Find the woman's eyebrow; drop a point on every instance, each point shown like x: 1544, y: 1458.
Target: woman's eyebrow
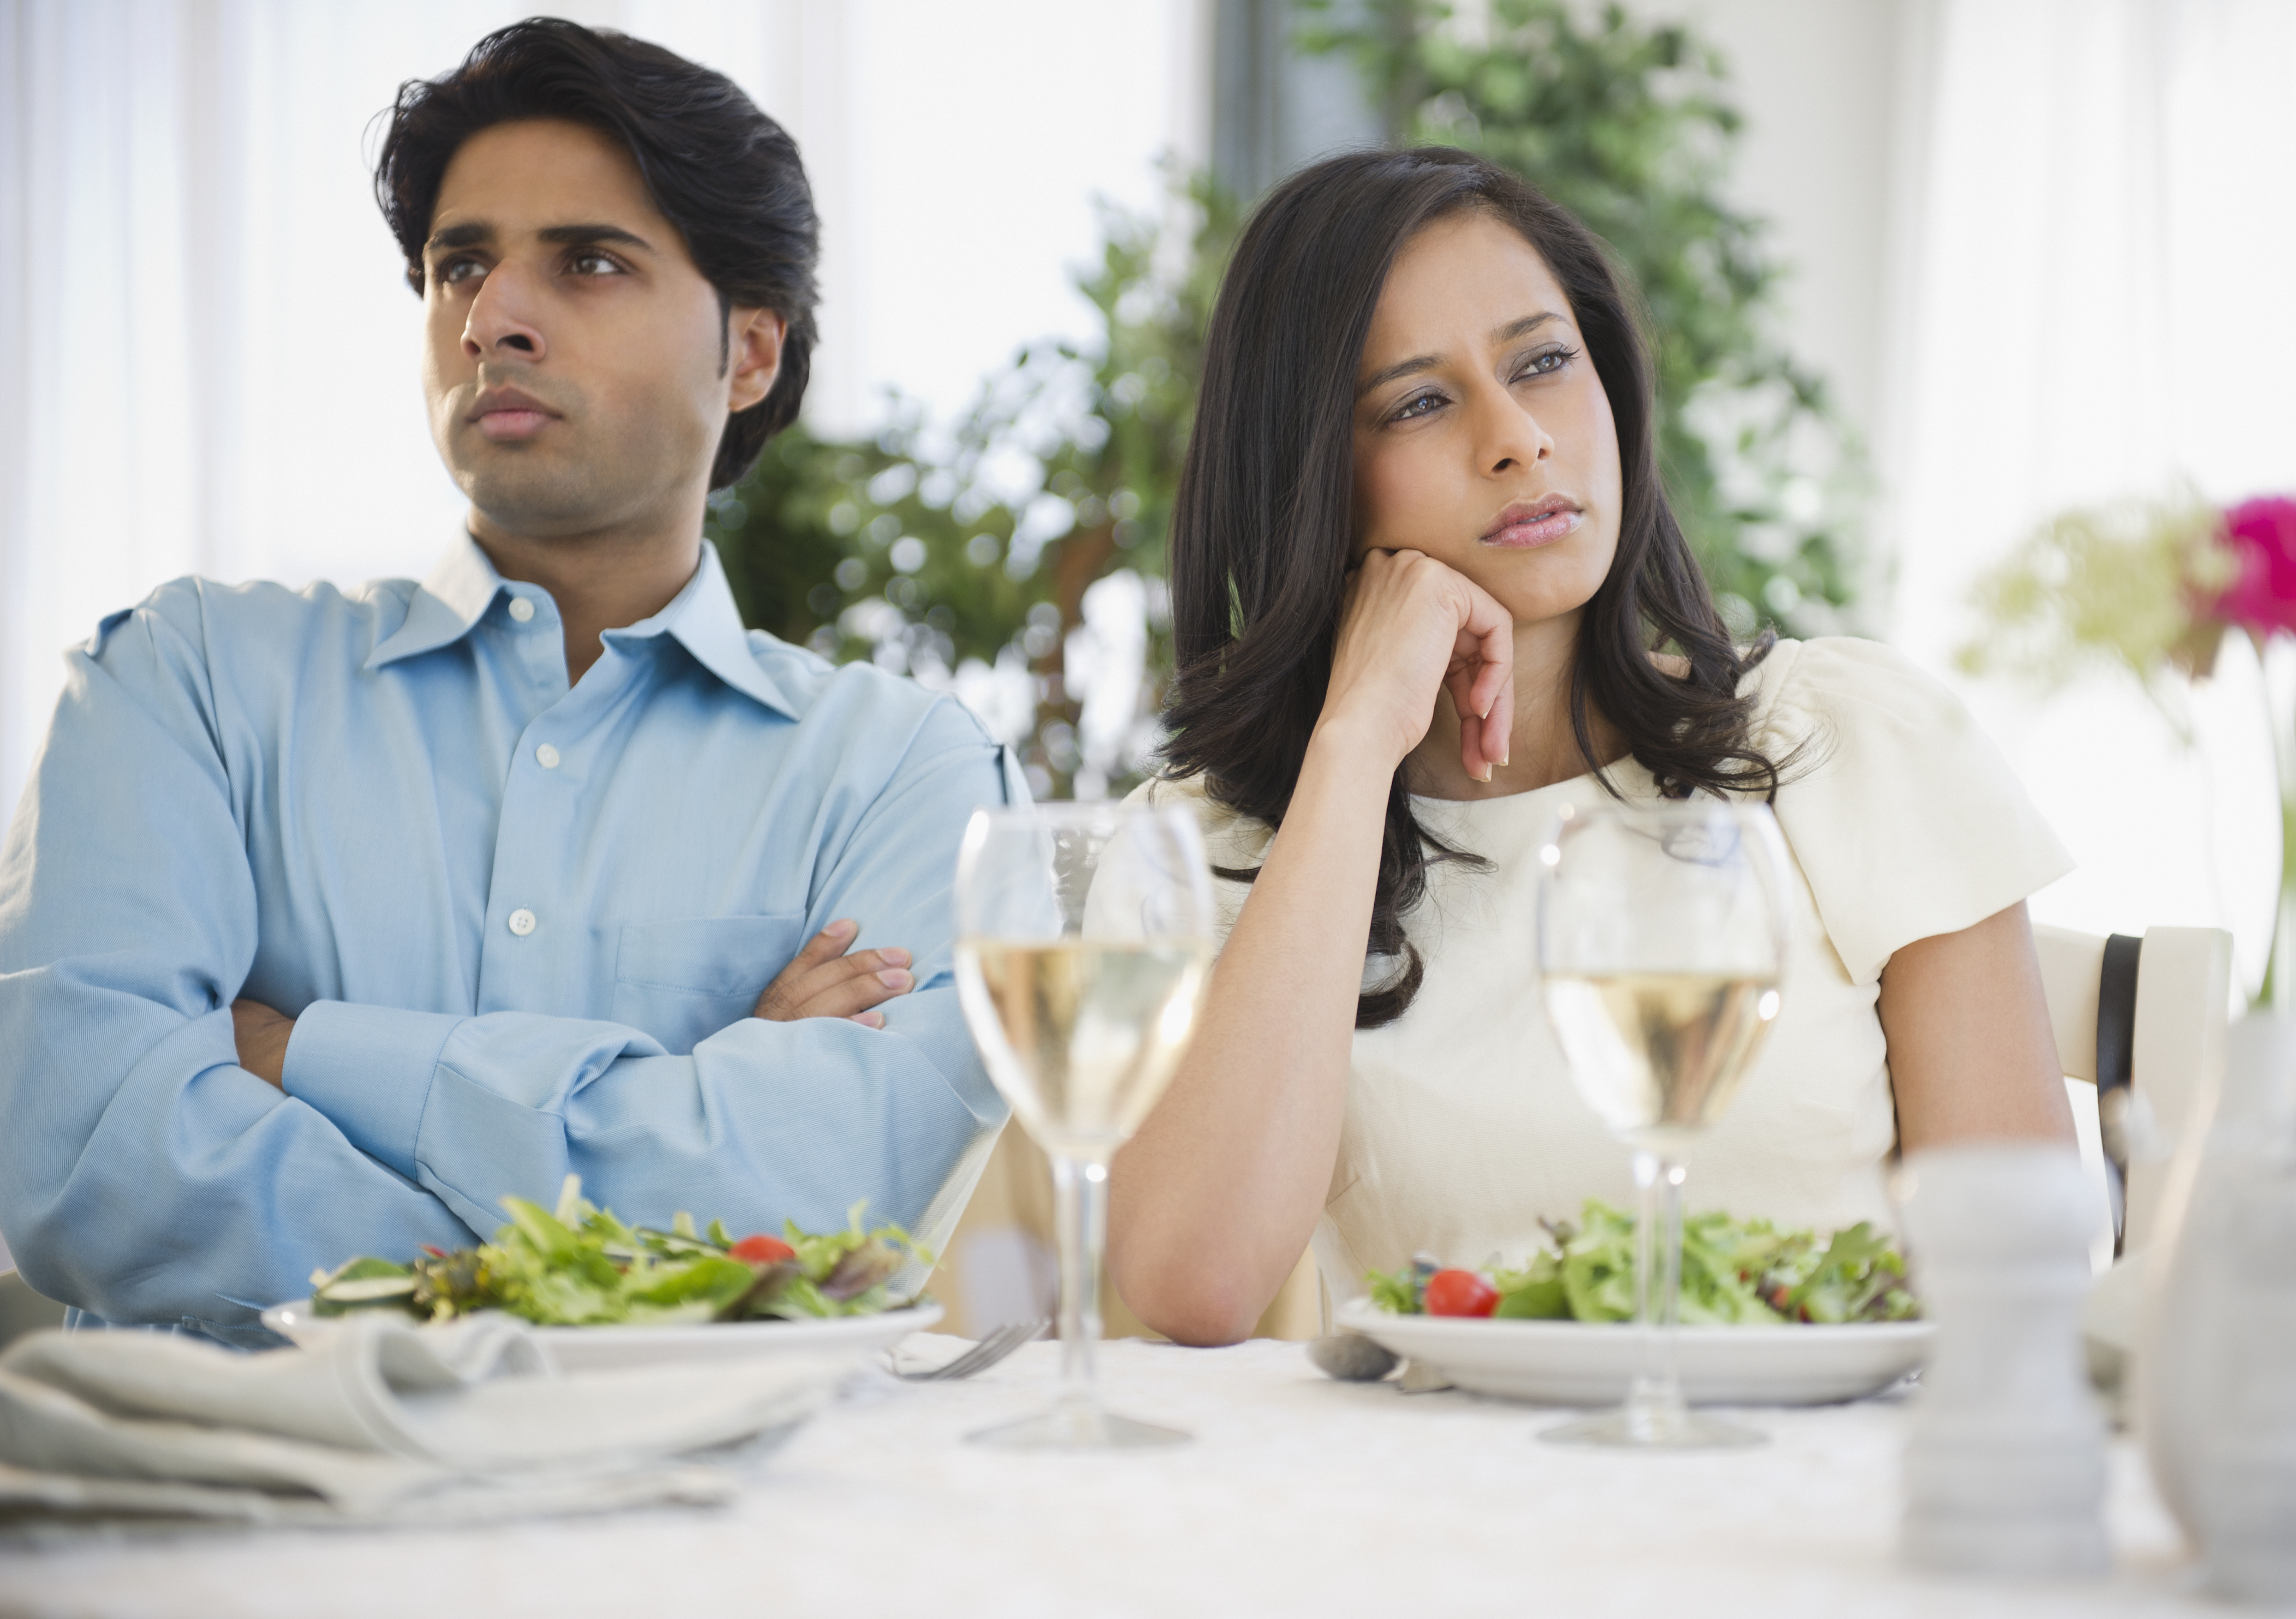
x: 1517, y: 328
x: 1417, y: 362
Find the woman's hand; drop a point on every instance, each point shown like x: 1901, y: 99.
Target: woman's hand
x: 1413, y: 626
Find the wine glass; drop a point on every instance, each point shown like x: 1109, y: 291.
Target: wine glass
x: 1084, y: 931
x: 1661, y: 939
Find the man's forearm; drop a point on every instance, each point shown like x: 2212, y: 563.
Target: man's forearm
x: 761, y: 1123
x: 261, y: 1034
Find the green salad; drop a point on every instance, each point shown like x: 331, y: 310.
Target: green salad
x: 1734, y: 1273
x: 581, y: 1267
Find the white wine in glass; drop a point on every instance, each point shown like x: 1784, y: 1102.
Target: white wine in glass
x: 1084, y: 1035
x: 1659, y: 1056
x: 1662, y: 938
x: 1084, y: 932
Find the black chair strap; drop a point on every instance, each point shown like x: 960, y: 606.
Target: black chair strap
x: 2116, y: 1052
x: 2116, y: 1014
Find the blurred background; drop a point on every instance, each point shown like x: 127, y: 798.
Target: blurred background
x: 1924, y: 274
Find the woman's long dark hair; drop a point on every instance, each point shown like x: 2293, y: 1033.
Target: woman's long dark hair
x: 1263, y: 530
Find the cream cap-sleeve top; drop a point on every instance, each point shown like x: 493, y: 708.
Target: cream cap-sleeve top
x: 1462, y: 1128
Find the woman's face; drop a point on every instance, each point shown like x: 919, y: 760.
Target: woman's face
x: 1483, y: 435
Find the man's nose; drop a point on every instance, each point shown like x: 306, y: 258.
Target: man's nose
x: 502, y: 317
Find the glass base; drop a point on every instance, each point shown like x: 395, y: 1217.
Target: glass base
x: 1077, y: 1426
x: 1636, y: 1426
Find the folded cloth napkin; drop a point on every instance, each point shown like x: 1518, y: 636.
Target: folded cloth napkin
x: 384, y: 1422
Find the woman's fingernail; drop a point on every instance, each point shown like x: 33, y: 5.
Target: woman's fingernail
x: 869, y: 1019
x: 894, y: 979
x: 895, y: 956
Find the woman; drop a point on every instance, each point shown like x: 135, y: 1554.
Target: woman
x: 1426, y: 589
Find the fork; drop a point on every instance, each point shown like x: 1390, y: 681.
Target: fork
x: 982, y: 1355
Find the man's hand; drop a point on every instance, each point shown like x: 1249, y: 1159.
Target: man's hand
x: 823, y: 981
x: 262, y: 1037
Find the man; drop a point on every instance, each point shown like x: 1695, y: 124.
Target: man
x: 328, y: 921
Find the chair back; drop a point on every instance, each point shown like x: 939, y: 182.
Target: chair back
x: 2160, y: 1044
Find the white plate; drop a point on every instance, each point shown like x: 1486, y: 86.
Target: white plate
x: 1572, y: 1363
x: 590, y: 1349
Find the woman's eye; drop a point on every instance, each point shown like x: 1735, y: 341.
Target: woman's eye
x: 1418, y: 405
x: 1547, y: 362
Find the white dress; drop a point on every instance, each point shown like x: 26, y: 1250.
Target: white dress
x: 1461, y: 1126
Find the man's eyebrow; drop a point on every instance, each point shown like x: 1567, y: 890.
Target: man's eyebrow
x: 583, y: 235
x: 459, y: 235
x: 560, y: 236
x: 1429, y: 362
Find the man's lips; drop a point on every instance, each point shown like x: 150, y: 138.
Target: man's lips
x: 506, y: 415
x: 1529, y: 523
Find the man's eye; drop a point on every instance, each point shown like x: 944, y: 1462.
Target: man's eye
x: 593, y: 264
x: 456, y: 270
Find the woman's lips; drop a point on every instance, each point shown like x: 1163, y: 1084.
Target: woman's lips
x: 1523, y: 531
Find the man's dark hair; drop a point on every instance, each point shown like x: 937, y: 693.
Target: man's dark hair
x: 726, y: 175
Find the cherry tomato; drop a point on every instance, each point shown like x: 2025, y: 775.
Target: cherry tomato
x: 761, y: 1250
x: 1460, y: 1292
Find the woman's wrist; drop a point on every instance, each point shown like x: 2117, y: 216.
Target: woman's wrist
x: 1353, y: 747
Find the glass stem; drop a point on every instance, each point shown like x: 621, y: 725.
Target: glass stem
x: 1670, y: 1291
x: 1655, y: 1400
x: 1080, y: 1204
x: 1646, y: 1221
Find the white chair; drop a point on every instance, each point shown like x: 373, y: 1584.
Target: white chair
x: 2146, y: 1045
x: 23, y: 1311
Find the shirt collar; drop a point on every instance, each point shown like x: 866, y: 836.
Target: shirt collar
x: 445, y: 606
x: 701, y: 618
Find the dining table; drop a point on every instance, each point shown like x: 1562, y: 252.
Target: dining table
x: 1296, y: 1494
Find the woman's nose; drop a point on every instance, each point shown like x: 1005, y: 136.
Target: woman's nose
x: 1510, y: 437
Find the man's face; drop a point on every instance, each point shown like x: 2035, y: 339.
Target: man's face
x: 572, y: 352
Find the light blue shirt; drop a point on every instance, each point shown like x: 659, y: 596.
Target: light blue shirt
x: 520, y: 926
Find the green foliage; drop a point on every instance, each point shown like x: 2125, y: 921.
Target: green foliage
x: 1628, y: 126
x: 953, y: 554
x: 814, y: 538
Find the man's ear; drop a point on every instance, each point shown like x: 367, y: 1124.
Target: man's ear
x: 755, y: 344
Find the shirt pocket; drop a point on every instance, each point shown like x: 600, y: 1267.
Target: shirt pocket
x: 681, y: 982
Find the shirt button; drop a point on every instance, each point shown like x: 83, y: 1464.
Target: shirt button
x: 521, y: 922
x: 521, y: 609
x: 547, y: 757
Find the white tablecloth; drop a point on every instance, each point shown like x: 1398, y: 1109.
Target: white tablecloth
x: 1300, y: 1495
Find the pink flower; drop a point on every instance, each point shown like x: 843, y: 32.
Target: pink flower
x: 2262, y: 535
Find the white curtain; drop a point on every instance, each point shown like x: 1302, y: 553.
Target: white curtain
x: 2096, y: 237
